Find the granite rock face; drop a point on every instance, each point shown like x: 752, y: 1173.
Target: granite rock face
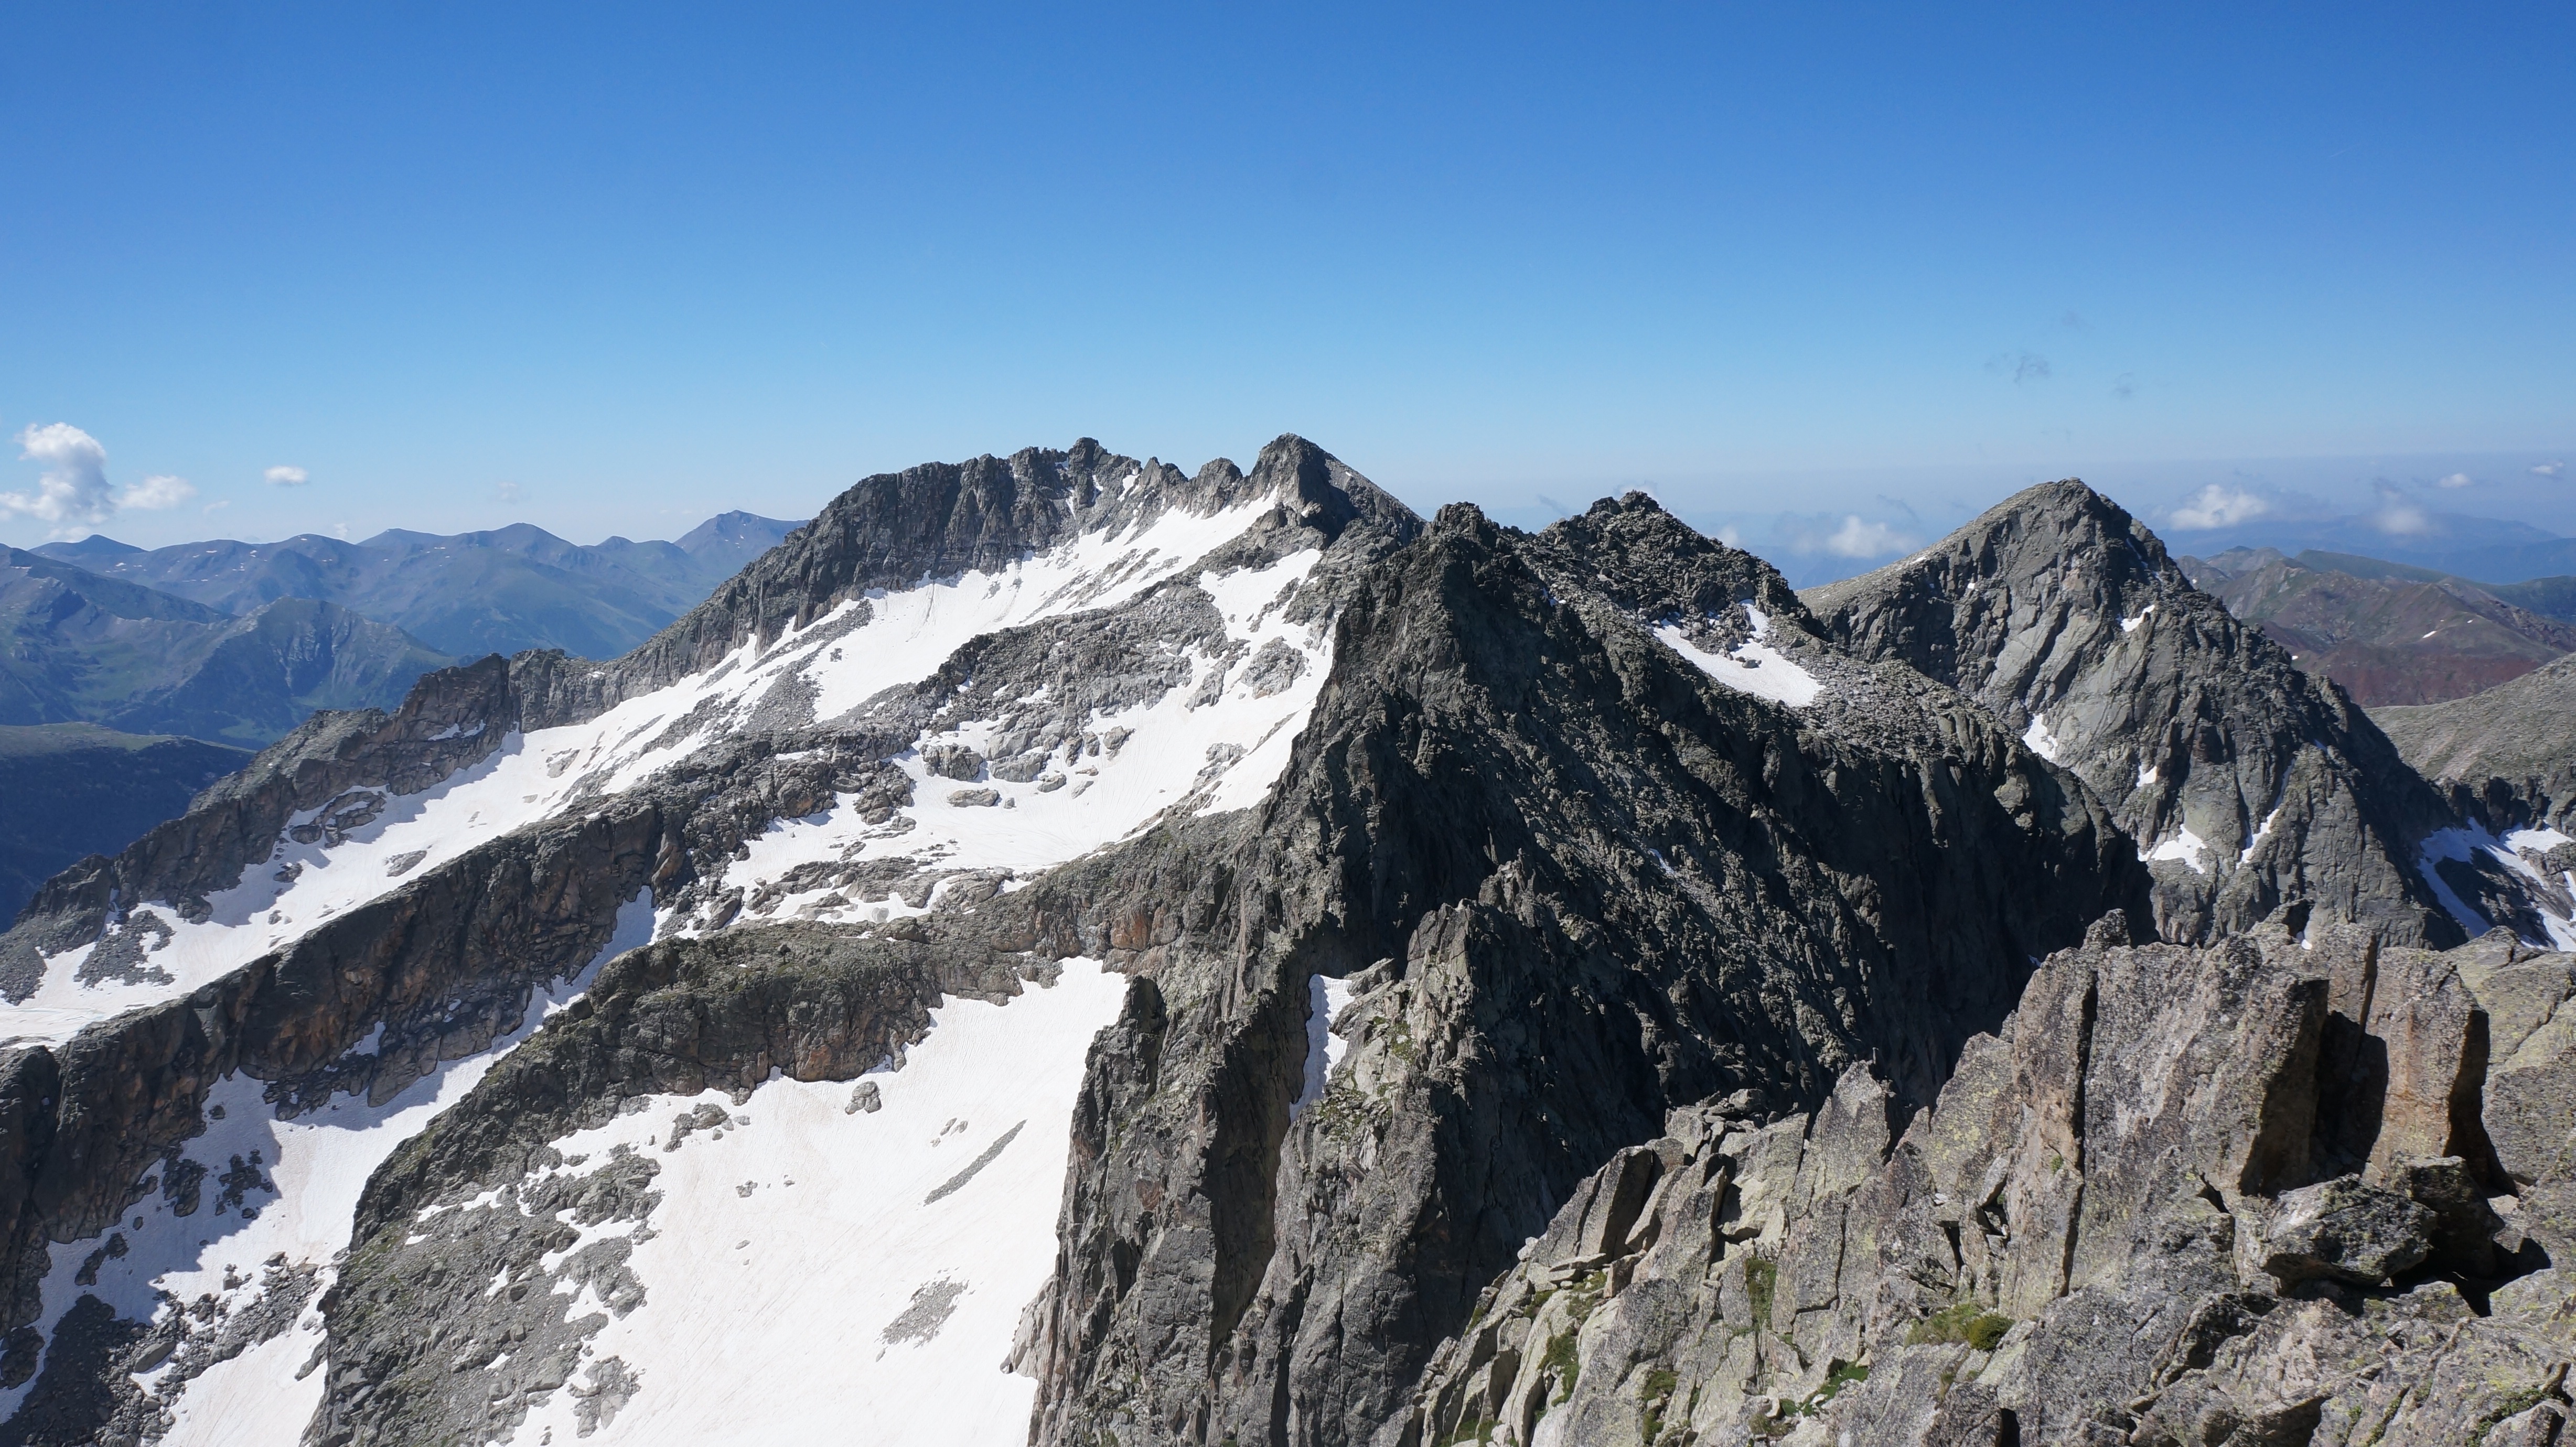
x: 2246, y: 782
x: 2128, y: 1218
x: 1572, y: 882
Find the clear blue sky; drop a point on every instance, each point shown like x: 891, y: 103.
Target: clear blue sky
x: 613, y: 269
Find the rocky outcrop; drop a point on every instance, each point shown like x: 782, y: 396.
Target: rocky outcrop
x: 452, y: 719
x: 2246, y: 783
x: 1573, y: 881
x: 2181, y: 1194
x: 2508, y: 755
x: 443, y: 966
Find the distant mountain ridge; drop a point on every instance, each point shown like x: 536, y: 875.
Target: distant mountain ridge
x: 2390, y: 633
x: 2462, y: 546
x: 465, y: 594
x: 83, y: 648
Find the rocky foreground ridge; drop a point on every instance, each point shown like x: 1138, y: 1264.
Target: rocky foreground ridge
x: 2270, y: 1191
x: 1575, y: 989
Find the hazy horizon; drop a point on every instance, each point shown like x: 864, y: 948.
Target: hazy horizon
x: 312, y: 270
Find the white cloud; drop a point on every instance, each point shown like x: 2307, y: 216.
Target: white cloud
x: 508, y: 492
x: 73, y: 488
x: 1731, y: 535
x: 2550, y: 469
x: 2216, y: 506
x: 287, y: 476
x: 1857, y: 539
x: 219, y: 505
x: 2455, y: 481
x: 157, y: 494
x: 2398, y: 517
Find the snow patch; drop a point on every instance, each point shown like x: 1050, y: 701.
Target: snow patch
x: 2261, y: 832
x: 1217, y: 756
x: 1753, y: 667
x: 2464, y: 844
x: 2185, y: 848
x: 911, y: 631
x: 2130, y: 625
x: 1325, y: 998
x: 2040, y: 741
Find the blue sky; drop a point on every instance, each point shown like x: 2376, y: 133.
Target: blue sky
x: 612, y: 269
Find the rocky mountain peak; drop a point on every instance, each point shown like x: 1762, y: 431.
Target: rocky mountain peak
x: 2245, y: 781
x: 2057, y: 551
x: 1661, y: 568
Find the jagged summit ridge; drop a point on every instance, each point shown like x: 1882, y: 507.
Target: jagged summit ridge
x: 1239, y: 916
x: 2246, y: 783
x: 945, y: 520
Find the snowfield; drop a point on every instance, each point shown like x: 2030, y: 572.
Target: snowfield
x: 904, y: 637
x: 867, y: 1288
x: 292, y: 1190
x: 1180, y: 749
x: 2466, y: 844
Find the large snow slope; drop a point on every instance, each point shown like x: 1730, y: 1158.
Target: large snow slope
x: 864, y: 1289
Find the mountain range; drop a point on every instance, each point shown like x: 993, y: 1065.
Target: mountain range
x: 235, y: 644
x: 68, y: 790
x: 1063, y: 950
x: 92, y: 649
x: 2456, y: 544
x: 465, y: 595
x: 2390, y: 633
